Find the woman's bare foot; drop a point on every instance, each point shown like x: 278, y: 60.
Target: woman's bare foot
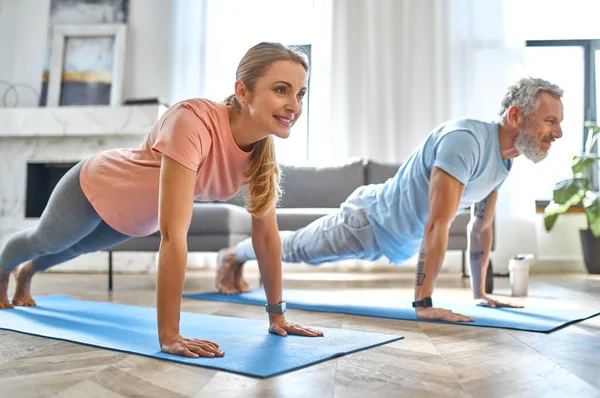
x: 229, y: 278
x: 22, y: 295
x: 4, y: 279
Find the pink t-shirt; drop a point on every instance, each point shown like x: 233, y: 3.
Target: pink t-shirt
x: 123, y: 184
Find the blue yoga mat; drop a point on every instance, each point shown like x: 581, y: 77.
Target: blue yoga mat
x: 353, y: 303
x: 249, y: 348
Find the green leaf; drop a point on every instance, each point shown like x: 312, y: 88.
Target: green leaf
x: 550, y: 220
x: 592, y: 125
x: 565, y: 190
x: 591, y: 203
x: 583, y: 162
x: 553, y: 210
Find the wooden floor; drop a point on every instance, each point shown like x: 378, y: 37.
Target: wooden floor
x: 433, y: 360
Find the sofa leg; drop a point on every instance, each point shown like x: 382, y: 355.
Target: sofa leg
x: 110, y: 271
x: 464, y: 263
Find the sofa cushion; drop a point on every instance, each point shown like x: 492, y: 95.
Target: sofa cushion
x: 315, y: 186
x: 144, y: 244
x: 459, y: 225
x: 379, y: 172
x: 219, y: 219
x: 320, y: 186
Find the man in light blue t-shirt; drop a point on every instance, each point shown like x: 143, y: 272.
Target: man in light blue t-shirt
x: 463, y: 162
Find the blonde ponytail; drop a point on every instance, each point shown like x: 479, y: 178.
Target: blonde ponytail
x: 264, y: 178
x: 233, y: 102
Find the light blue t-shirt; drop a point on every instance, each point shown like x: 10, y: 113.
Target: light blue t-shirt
x: 398, y: 209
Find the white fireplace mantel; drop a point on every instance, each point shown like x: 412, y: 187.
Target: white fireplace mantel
x: 79, y: 120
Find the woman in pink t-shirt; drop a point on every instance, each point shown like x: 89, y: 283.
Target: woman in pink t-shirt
x: 198, y: 149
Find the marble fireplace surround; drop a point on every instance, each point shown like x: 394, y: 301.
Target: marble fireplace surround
x: 66, y: 134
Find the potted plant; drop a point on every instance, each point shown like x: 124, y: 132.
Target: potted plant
x: 579, y: 189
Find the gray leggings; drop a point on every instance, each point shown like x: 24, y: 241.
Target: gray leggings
x: 68, y: 227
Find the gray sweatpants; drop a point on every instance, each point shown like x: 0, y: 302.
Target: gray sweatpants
x: 345, y: 234
x: 68, y: 227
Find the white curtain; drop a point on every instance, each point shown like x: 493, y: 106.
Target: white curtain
x: 188, y: 49
x: 380, y: 77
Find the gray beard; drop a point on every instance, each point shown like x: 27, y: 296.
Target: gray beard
x: 529, y: 146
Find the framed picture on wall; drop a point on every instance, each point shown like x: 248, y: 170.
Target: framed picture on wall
x: 87, y: 64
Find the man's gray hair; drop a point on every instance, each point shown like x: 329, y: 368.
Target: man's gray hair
x: 525, y: 95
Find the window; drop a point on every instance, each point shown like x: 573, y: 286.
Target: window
x: 597, y: 78
x: 571, y: 65
x: 561, y: 40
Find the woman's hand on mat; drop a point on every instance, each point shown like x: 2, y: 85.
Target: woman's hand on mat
x: 282, y: 327
x: 192, y: 348
x: 487, y: 301
x: 440, y: 314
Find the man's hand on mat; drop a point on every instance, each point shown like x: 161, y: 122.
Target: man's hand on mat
x: 192, y: 348
x: 440, y: 314
x: 282, y: 327
x: 487, y: 301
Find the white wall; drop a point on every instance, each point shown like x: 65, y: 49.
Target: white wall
x: 23, y: 38
x: 560, y: 249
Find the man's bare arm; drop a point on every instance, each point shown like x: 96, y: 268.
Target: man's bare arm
x: 480, y: 241
x: 480, y: 236
x: 445, y: 193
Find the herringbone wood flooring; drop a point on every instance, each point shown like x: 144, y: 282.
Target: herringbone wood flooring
x: 433, y: 359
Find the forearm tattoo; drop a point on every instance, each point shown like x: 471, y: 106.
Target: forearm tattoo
x: 421, y: 268
x: 476, y: 256
x: 480, y: 208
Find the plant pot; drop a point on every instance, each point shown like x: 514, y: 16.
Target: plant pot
x: 591, y: 251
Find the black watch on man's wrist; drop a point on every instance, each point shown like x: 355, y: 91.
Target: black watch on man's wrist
x: 425, y: 303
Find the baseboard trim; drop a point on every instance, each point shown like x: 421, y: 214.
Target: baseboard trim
x: 558, y: 266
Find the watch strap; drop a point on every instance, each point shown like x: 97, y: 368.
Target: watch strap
x: 278, y: 308
x: 426, y: 303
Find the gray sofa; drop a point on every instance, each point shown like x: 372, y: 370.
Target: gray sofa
x: 309, y: 193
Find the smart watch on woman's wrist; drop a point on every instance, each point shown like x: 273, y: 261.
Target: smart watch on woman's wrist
x: 278, y: 308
